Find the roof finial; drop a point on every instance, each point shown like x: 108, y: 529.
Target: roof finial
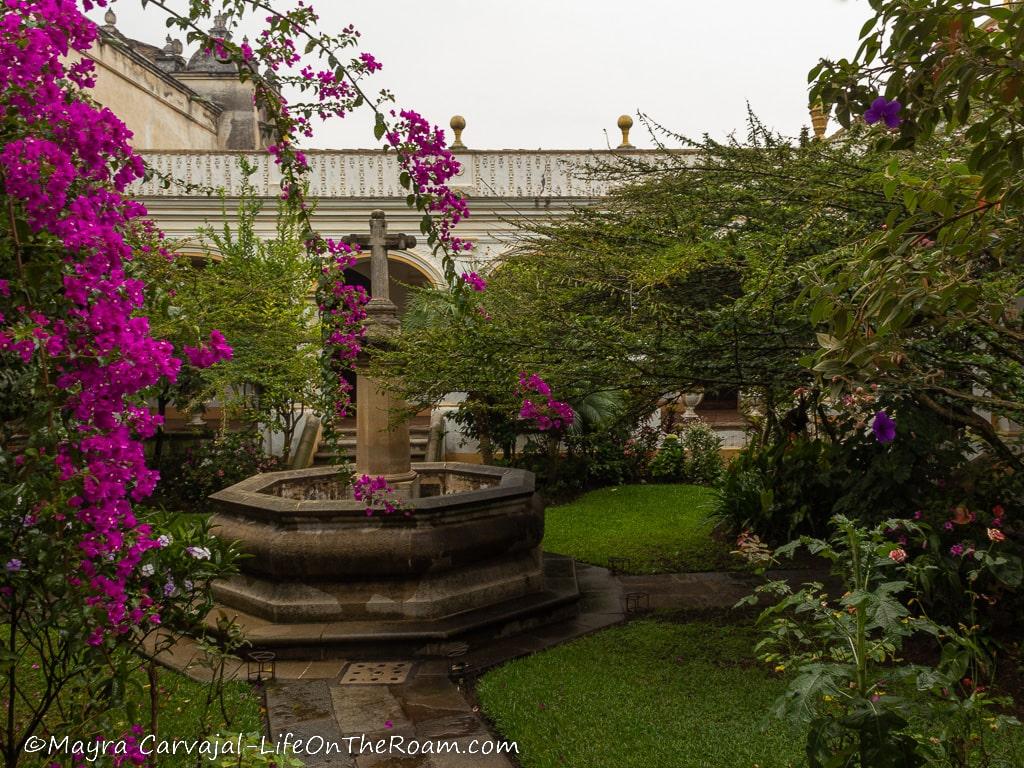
x: 819, y: 119
x: 458, y: 124
x: 110, y: 18
x: 625, y: 122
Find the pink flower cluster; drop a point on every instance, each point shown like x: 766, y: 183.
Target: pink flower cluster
x: 342, y: 313
x: 214, y: 351
x: 423, y: 154
x: 547, y: 415
x: 330, y: 94
x: 377, y: 494
x: 963, y: 516
x: 65, y: 173
x: 474, y: 281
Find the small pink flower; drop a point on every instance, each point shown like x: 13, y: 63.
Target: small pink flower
x: 994, y: 534
x: 898, y: 555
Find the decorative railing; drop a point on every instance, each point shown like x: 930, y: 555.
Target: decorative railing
x: 374, y: 174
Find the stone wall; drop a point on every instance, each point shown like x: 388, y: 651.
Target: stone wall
x: 160, y: 112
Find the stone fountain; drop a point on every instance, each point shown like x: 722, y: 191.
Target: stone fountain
x: 323, y: 577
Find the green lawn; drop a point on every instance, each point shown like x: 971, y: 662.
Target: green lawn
x: 659, y: 528
x: 646, y: 694
x: 655, y: 693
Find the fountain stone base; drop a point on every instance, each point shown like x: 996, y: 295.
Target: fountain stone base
x: 320, y: 572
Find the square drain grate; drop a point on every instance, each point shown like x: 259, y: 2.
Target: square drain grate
x: 376, y: 673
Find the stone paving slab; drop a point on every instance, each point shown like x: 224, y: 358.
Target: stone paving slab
x: 305, y: 709
x: 309, y: 670
x: 701, y: 591
x: 367, y: 709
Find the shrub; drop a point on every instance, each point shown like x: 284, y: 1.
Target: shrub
x: 189, y: 477
x: 692, y: 456
x: 863, y: 704
x: 669, y: 464
x: 792, y: 481
x: 703, y: 446
x: 926, y: 474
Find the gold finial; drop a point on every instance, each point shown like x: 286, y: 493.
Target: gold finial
x: 819, y: 120
x: 458, y: 124
x: 625, y: 122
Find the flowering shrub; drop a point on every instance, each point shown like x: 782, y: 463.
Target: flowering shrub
x: 862, y: 703
x: 69, y: 310
x: 692, y: 456
x: 188, y: 477
x: 853, y: 455
x: 72, y: 340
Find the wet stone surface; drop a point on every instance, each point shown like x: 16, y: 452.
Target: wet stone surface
x: 428, y: 707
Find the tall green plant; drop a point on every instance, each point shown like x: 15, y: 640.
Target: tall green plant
x: 258, y: 291
x: 864, y: 705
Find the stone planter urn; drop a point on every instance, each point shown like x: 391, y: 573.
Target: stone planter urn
x: 691, y: 400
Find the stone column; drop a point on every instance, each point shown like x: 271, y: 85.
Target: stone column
x: 382, y: 434
x: 382, y: 445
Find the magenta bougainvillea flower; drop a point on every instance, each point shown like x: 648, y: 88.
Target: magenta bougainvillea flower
x: 372, y: 65
x: 474, y: 281
x: 378, y: 495
x: 213, y: 351
x: 882, y: 109
x: 884, y: 427
x: 548, y: 414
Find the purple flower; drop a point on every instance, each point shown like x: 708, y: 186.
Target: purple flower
x: 884, y: 110
x: 956, y: 550
x: 13, y: 565
x: 884, y: 427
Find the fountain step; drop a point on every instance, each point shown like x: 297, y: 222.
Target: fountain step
x: 416, y: 638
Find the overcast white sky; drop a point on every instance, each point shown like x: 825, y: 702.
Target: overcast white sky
x: 555, y: 74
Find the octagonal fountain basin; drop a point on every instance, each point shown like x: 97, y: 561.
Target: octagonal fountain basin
x: 468, y: 553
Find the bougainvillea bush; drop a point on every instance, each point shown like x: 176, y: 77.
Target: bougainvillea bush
x: 87, y: 574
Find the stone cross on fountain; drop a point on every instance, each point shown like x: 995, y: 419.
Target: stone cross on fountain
x: 379, y: 242
x: 382, y: 446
